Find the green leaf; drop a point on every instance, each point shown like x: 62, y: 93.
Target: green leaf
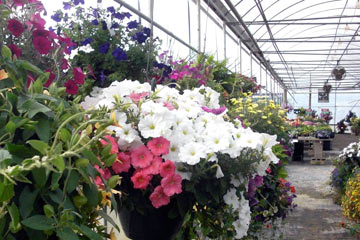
x: 106, y: 217
x: 15, y: 225
x: 110, y: 160
x: 106, y: 151
x: 33, y: 107
x: 28, y: 66
x: 66, y: 234
x: 10, y: 127
x: 59, y: 162
x: 65, y: 135
x: 41, y: 146
x: 2, y: 225
x: 42, y: 129
x: 4, y: 155
x: 39, y: 222
x: 40, y: 177
x: 91, y: 193
x: 91, y: 156
x: 113, y: 181
x: 26, y: 201
x: 90, y: 233
x: 81, y: 162
x: 36, y: 87
x: 55, y: 181
x: 6, y: 52
x: 49, y: 210
x: 6, y: 191
x: 73, y: 181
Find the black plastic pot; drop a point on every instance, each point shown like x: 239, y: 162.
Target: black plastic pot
x: 327, y: 145
x: 156, y: 226
x: 298, y: 154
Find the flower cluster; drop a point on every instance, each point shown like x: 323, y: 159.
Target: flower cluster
x: 193, y: 125
x: 351, y: 200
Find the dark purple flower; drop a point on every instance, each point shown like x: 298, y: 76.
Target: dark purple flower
x: 147, y: 31
x: 51, y: 29
x: 127, y: 14
x: 56, y: 17
x: 119, y: 54
x: 104, y: 25
x: 96, y: 13
x: 95, y: 22
x: 119, y: 16
x: 132, y: 24
x: 77, y: 2
x: 67, y: 5
x: 86, y: 41
x: 115, y: 25
x: 111, y: 9
x: 140, y: 37
x: 102, y: 78
x: 104, y: 48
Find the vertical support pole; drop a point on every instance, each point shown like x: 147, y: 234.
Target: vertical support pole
x: 152, y: 18
x: 240, y: 60
x: 224, y: 29
x: 310, y: 92
x: 139, y: 11
x: 271, y: 88
x: 251, y: 65
x: 285, y: 97
x: 260, y: 81
x: 189, y: 26
x: 199, y: 24
x: 151, y: 14
x: 266, y: 85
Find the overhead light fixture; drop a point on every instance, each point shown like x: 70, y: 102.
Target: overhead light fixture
x: 347, y: 26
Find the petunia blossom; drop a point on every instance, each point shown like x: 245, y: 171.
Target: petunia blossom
x: 64, y: 64
x: 114, y: 146
x: 159, y: 146
x: 79, y: 76
x: 37, y: 21
x: 167, y: 168
x: 51, y: 78
x: 171, y: 184
x: 42, y: 45
x: 136, y: 97
x: 141, y: 157
x: 15, y: 27
x: 15, y: 50
x: 71, y: 87
x: 154, y: 166
x: 158, y: 198
x: 140, y: 180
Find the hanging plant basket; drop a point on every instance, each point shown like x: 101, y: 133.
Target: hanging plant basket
x: 327, y: 88
x: 338, y: 72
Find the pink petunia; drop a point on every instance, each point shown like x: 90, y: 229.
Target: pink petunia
x: 158, y: 198
x: 15, y: 27
x: 91, y: 72
x: 40, y: 33
x: 122, y: 163
x: 169, y: 106
x: 141, y: 157
x: 37, y: 21
x: 79, y: 76
x: 172, y: 184
x: 154, y: 167
x: 15, y: 50
x: 136, y: 97
x: 42, y: 45
x: 140, y: 180
x: 114, y: 146
x: 159, y: 146
x: 167, y: 168
x: 104, y: 172
x: 50, y: 79
x: 71, y: 87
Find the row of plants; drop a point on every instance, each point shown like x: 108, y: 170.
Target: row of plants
x: 345, y: 181
x: 181, y: 144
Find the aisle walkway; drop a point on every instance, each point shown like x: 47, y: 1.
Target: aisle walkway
x: 316, y: 217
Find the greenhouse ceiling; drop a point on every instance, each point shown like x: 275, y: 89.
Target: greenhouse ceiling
x: 300, y: 42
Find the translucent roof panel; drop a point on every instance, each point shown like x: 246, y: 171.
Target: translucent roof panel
x: 305, y: 39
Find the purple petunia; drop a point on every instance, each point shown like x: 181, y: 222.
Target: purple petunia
x: 119, y: 54
x: 77, y: 2
x: 115, y: 25
x: 140, y: 37
x: 147, y: 31
x: 95, y: 22
x: 102, y: 78
x: 104, y: 25
x: 67, y: 5
x: 104, y: 48
x: 215, y: 111
x: 111, y: 9
x: 56, y: 17
x: 119, y: 16
x: 127, y: 14
x: 86, y: 41
x: 132, y: 24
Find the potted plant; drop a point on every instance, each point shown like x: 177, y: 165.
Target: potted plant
x: 355, y: 125
x: 341, y: 126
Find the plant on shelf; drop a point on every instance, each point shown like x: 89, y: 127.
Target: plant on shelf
x: 47, y: 150
x: 355, y: 125
x: 341, y: 126
x: 180, y: 158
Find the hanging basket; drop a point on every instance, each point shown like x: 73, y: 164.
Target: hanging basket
x: 338, y: 72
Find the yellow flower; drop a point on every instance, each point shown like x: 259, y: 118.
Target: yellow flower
x: 3, y: 74
x: 264, y: 117
x: 241, y: 115
x: 269, y: 114
x: 269, y: 122
x: 106, y: 198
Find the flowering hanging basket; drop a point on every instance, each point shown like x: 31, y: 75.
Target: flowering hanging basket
x: 338, y: 72
x: 327, y: 88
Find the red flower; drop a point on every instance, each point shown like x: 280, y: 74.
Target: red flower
x: 64, y: 64
x: 91, y: 72
x: 37, y: 21
x: 140, y: 180
x: 171, y: 184
x: 159, y: 198
x: 167, y: 168
x: 40, y: 33
x: 15, y: 27
x: 42, y: 45
x: 292, y: 189
x: 79, y: 76
x: 51, y: 78
x: 154, y: 167
x: 15, y: 50
x: 141, y: 157
x: 122, y: 163
x: 71, y: 87
x: 158, y: 145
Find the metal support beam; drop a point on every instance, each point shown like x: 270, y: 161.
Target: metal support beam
x: 199, y: 24
x: 224, y: 30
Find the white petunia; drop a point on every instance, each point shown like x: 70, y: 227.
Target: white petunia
x: 152, y: 126
x: 231, y: 199
x: 191, y: 153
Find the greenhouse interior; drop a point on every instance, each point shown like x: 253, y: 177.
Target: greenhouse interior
x: 180, y: 119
